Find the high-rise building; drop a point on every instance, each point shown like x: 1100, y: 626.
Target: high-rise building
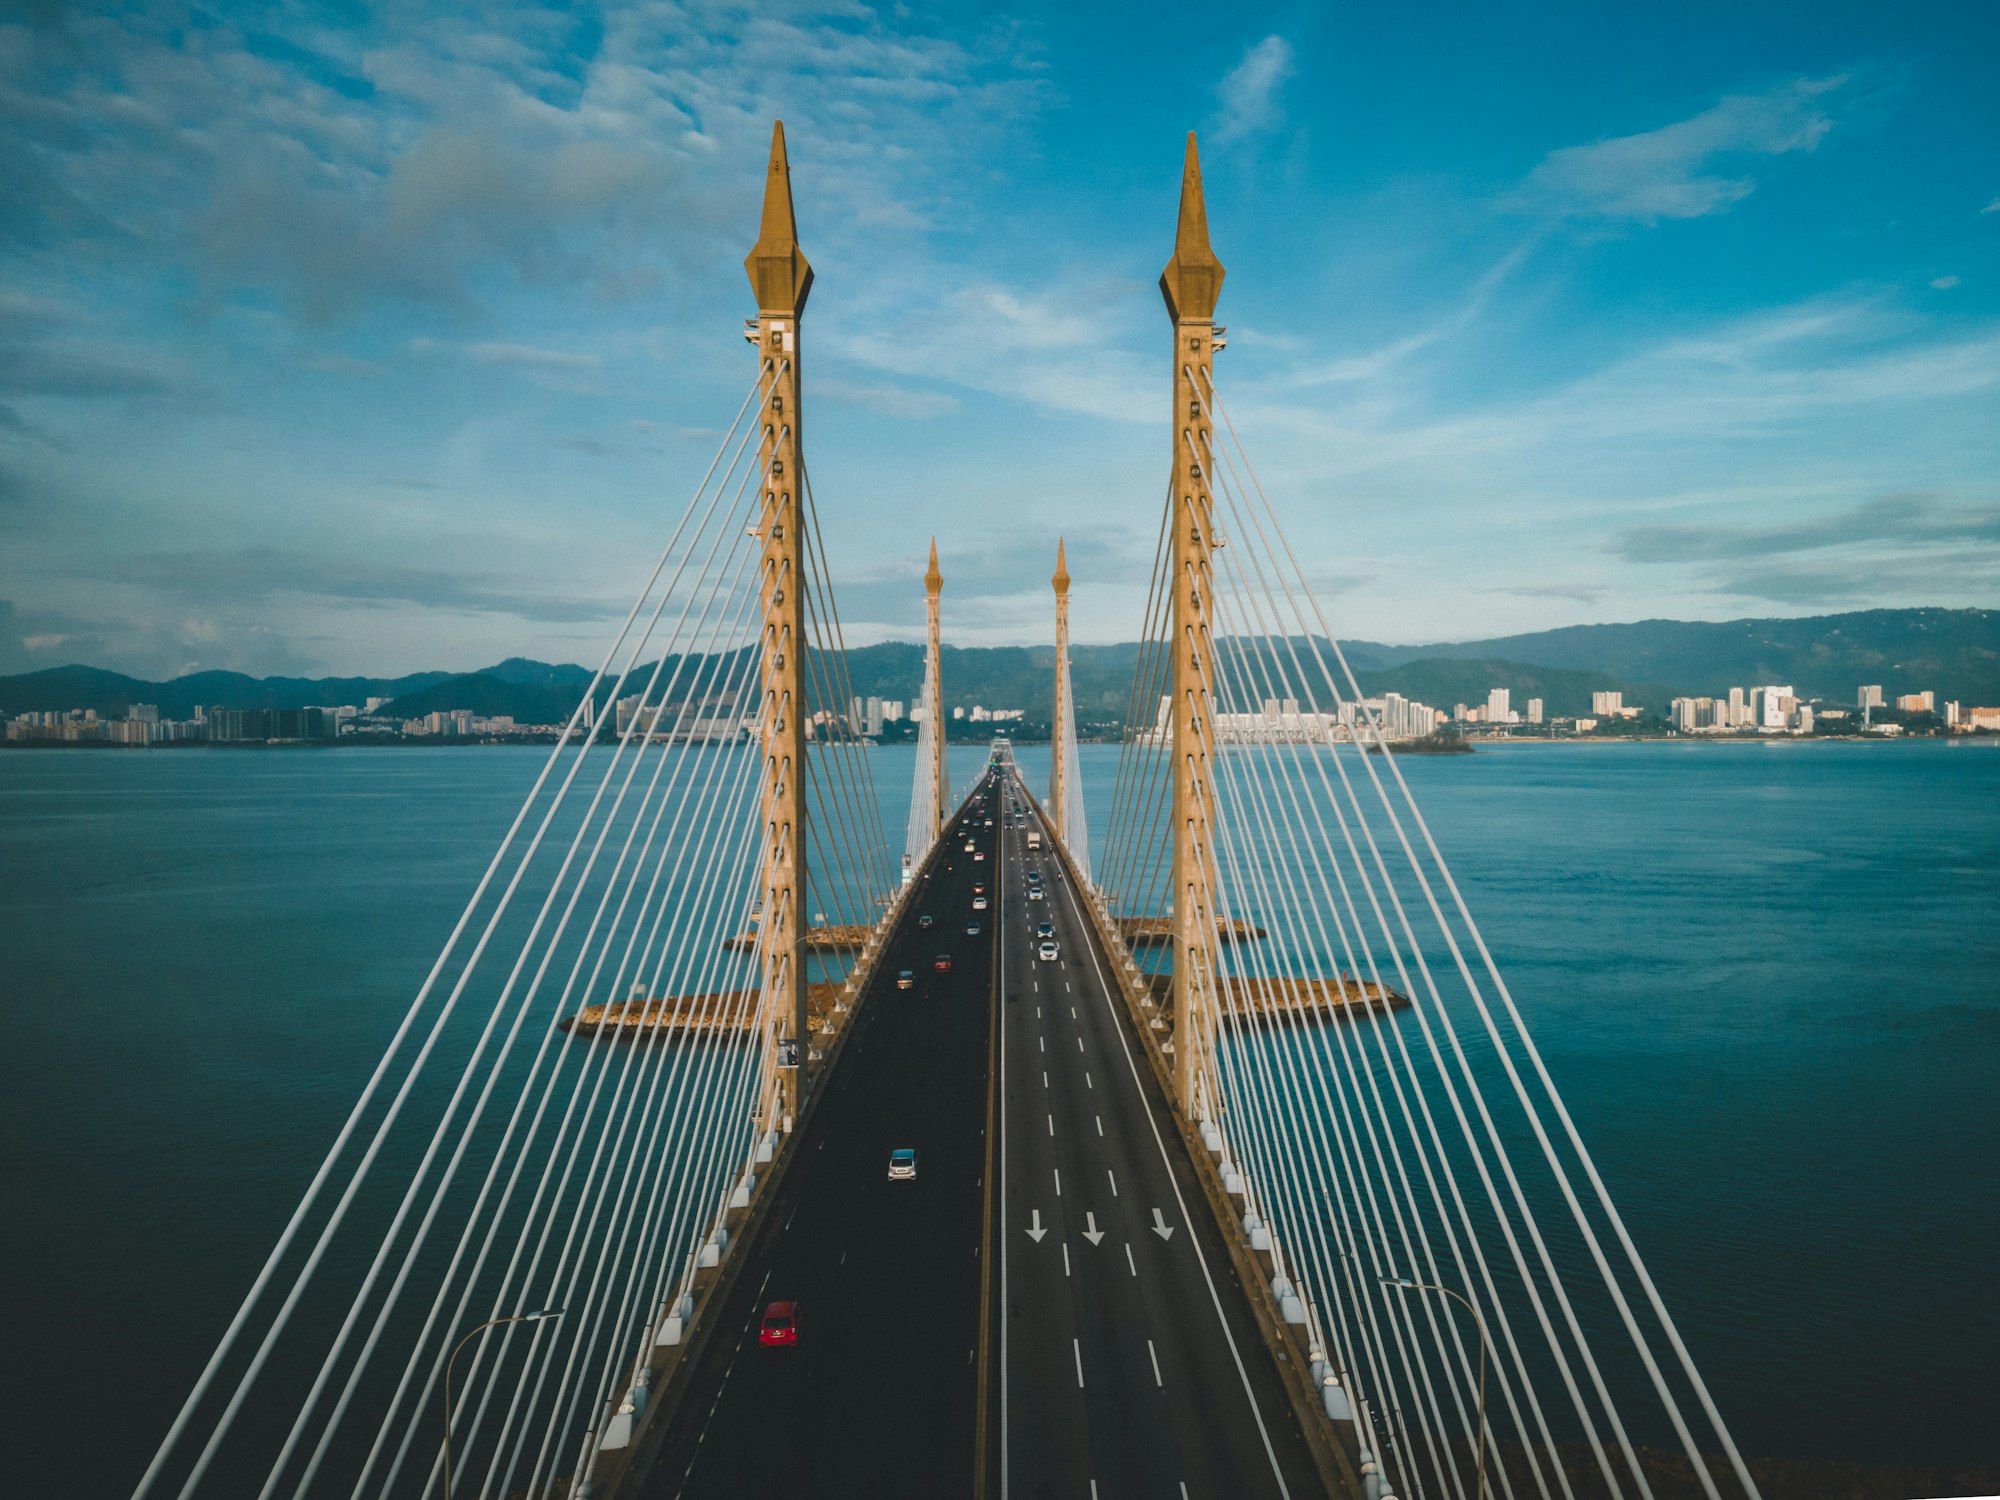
x: 1778, y: 705
x: 144, y: 713
x: 1683, y: 713
x: 1606, y: 703
x: 1497, y: 707
x: 1870, y: 696
x: 1534, y: 710
x: 1917, y: 703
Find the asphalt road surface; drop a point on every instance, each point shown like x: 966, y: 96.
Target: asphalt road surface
x: 879, y: 1397
x: 1130, y: 1364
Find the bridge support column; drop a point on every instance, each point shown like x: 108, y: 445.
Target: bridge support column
x: 934, y: 709
x: 782, y: 279
x: 1190, y: 284
x: 1059, y: 722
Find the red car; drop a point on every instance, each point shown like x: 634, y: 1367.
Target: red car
x: 781, y: 1324
x: 942, y: 963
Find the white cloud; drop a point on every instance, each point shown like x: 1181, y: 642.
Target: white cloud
x: 1992, y: 208
x: 529, y: 357
x: 1249, y: 91
x: 1688, y: 169
x: 1944, y: 283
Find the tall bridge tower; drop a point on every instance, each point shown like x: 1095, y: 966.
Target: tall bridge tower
x: 934, y: 705
x: 1190, y: 284
x: 782, y: 279
x: 1062, y: 729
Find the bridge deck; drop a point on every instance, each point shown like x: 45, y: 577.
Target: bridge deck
x: 1130, y: 1360
x: 879, y: 1396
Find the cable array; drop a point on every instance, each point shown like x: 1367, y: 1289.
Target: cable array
x: 565, y: 1109
x: 1394, y: 1133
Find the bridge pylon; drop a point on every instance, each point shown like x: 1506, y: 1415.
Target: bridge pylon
x: 1190, y: 284
x: 934, y: 706
x: 1065, y: 777
x: 782, y: 279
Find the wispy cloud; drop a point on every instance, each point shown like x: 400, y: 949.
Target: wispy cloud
x: 1688, y: 169
x: 1892, y: 521
x: 1249, y: 92
x: 1943, y: 283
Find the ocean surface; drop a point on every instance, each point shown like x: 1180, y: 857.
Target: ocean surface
x: 1766, y: 978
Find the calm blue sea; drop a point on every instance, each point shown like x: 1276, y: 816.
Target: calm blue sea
x: 1767, y: 978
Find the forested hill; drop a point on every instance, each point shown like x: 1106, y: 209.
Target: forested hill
x: 1955, y: 652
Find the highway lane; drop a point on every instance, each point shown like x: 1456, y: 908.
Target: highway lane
x: 1129, y: 1363
x: 879, y: 1396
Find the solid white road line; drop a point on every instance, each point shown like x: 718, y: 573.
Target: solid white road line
x: 1156, y: 1363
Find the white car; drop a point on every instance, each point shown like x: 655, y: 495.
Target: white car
x: 1048, y: 952
x: 979, y: 903
x: 1034, y: 893
x: 902, y: 1164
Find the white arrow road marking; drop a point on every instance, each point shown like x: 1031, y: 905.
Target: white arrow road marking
x: 1037, y: 1232
x: 1093, y: 1233
x: 1160, y: 1226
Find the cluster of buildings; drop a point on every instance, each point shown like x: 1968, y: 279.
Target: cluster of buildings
x: 1498, y: 712
x: 142, y: 725
x: 1282, y: 721
x: 869, y: 716
x: 1776, y: 709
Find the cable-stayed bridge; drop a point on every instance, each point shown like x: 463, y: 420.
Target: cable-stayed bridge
x: 1235, y: 1169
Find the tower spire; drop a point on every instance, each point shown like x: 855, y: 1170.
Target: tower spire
x: 933, y: 579
x: 1061, y: 580
x: 780, y: 274
x: 1193, y: 278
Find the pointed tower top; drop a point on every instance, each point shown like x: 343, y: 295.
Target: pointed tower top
x: 933, y: 580
x: 1061, y: 580
x: 1193, y: 278
x: 780, y: 274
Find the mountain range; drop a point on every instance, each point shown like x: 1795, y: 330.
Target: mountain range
x: 1956, y: 652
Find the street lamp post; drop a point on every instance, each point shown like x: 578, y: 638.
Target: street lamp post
x: 1401, y: 1283
x: 534, y: 1317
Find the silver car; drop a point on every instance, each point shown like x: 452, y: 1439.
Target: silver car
x: 1048, y: 952
x: 902, y: 1165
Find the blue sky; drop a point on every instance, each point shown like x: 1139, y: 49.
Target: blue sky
x: 334, y: 339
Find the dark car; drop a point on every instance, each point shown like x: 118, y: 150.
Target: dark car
x: 781, y: 1325
x: 906, y: 979
x: 972, y: 929
x: 924, y: 920
x: 942, y: 963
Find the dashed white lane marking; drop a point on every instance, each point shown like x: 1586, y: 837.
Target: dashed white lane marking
x: 1087, y: 1083
x: 1129, y: 1261
x: 1066, y: 988
x: 1077, y: 1348
x: 1114, y: 1181
x: 1079, y: 1044
x: 1072, y: 1012
x: 1052, y: 1124
x: 1058, y: 1172
x: 1045, y: 1078
x: 1156, y: 1363
x: 1184, y: 1493
x: 1044, y: 1041
x: 1100, y: 1123
x: 1065, y: 1258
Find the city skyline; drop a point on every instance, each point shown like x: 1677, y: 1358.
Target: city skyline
x: 396, y: 346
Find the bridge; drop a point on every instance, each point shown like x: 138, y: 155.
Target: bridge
x: 729, y: 1150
